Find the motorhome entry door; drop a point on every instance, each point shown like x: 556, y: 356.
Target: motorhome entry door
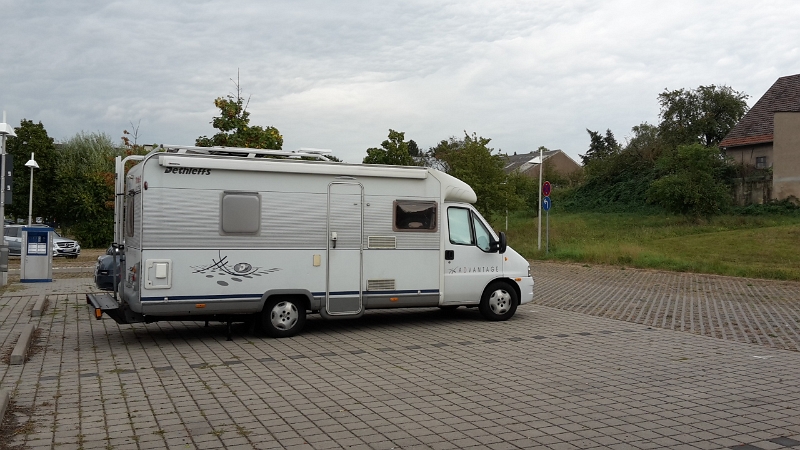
x: 345, y: 262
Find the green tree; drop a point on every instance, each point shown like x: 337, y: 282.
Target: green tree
x: 524, y: 192
x: 234, y: 127
x: 472, y: 161
x: 32, y: 138
x: 600, y: 147
x: 655, y: 165
x: 614, y: 177
x: 691, y: 182
x: 700, y: 116
x: 394, y: 151
x: 645, y: 142
x: 84, y: 202
x: 413, y: 149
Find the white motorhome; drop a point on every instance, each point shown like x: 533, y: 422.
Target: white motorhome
x: 235, y: 234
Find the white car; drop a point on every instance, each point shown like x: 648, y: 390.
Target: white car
x: 62, y: 246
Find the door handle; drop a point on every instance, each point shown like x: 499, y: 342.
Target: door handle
x: 334, y: 238
x: 449, y: 255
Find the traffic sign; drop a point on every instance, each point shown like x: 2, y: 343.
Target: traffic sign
x: 546, y: 189
x: 546, y: 203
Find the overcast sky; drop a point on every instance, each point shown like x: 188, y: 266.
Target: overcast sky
x: 339, y: 75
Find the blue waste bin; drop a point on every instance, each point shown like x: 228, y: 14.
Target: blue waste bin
x: 36, y: 255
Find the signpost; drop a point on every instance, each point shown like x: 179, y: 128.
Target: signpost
x: 546, y: 204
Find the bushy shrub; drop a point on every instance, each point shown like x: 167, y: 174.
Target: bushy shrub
x: 788, y: 206
x: 691, y: 182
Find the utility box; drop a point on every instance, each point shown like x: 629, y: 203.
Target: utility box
x: 36, y: 256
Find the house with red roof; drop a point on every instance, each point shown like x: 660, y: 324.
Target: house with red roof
x: 768, y: 136
x: 556, y: 162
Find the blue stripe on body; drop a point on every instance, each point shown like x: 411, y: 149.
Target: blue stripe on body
x: 255, y: 296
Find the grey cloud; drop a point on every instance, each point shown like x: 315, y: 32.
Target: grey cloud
x: 340, y: 74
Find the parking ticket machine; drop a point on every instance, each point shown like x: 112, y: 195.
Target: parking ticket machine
x: 36, y: 255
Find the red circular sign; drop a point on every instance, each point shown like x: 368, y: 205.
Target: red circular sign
x: 546, y: 189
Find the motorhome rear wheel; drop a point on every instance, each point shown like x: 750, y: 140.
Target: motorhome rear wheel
x: 283, y: 317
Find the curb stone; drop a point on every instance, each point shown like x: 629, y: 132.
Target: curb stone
x: 5, y: 398
x: 38, y: 306
x: 21, y: 349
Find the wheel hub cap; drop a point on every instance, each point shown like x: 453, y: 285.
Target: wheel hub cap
x: 500, y: 302
x: 284, y: 315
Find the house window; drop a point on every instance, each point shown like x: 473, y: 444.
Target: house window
x: 761, y: 162
x: 412, y: 215
x: 240, y: 213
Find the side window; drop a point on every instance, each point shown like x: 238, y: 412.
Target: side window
x: 412, y: 215
x: 482, y: 236
x: 130, y: 220
x: 458, y: 223
x: 240, y: 213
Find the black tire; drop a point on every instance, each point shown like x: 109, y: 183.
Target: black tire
x: 499, y: 301
x: 283, y: 317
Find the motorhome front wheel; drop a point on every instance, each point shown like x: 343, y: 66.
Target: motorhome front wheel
x: 499, y: 301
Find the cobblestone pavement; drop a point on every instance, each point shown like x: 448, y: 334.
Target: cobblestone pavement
x: 421, y: 379
x: 763, y: 312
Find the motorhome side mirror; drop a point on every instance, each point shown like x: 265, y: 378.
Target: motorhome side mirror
x: 502, y: 244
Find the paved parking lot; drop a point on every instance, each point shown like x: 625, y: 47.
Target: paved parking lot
x: 760, y: 312
x: 558, y: 375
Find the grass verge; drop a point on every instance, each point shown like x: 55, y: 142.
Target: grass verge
x: 744, y: 246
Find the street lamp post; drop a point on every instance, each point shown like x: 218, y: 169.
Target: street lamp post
x: 5, y: 130
x: 33, y: 165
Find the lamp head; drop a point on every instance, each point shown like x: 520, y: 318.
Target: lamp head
x: 32, y: 163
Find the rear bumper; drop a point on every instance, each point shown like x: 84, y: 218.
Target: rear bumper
x: 105, y: 303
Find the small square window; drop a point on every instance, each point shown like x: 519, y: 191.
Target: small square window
x: 412, y: 215
x: 240, y: 213
x: 761, y: 162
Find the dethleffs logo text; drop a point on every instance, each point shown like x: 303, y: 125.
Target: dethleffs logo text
x: 187, y: 171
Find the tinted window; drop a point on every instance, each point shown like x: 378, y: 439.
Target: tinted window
x: 412, y: 215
